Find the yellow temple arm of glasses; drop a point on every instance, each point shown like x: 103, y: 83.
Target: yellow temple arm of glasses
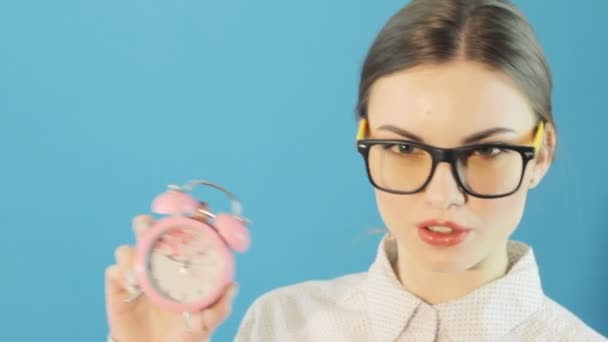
x: 362, y: 129
x: 538, y: 137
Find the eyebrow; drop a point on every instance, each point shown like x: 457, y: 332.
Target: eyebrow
x: 473, y: 138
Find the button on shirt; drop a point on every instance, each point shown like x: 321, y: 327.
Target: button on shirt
x: 373, y: 306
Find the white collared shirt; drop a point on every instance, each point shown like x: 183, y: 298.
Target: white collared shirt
x: 374, y: 307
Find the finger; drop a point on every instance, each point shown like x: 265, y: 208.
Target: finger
x: 117, y: 281
x: 114, y: 280
x: 115, y: 291
x: 204, y: 323
x: 141, y: 224
x: 121, y: 282
x: 219, y: 312
x: 191, y: 329
x: 124, y: 256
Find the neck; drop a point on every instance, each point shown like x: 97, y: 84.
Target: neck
x: 440, y: 287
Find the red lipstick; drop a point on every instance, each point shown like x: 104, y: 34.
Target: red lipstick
x: 442, y: 234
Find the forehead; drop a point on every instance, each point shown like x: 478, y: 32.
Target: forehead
x: 457, y: 98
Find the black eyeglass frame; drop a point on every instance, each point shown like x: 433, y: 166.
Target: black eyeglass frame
x: 448, y: 155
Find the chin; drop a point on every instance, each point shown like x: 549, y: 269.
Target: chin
x: 441, y: 263
x: 446, y: 259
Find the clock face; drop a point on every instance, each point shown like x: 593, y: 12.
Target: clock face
x: 185, y: 264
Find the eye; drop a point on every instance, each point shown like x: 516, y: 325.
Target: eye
x: 400, y: 148
x: 487, y: 151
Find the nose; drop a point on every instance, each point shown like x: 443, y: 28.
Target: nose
x: 443, y: 191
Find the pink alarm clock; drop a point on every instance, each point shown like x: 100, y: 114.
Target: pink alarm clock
x: 184, y: 263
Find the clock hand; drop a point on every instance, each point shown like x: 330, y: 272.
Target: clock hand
x: 174, y: 259
x: 183, y: 265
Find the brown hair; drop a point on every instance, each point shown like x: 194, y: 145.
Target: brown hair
x: 493, y: 32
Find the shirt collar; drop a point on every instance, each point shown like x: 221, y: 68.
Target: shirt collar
x: 489, y: 312
x: 390, y: 306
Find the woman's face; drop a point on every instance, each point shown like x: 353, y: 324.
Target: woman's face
x: 444, y: 105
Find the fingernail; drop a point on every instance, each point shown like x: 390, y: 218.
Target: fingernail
x: 142, y: 225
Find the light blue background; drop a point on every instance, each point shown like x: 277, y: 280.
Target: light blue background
x: 103, y: 103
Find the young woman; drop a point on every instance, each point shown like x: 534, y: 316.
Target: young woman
x: 456, y: 126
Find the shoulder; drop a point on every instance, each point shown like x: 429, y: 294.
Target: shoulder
x: 563, y: 324
x: 277, y: 311
x: 315, y: 291
x: 307, y: 295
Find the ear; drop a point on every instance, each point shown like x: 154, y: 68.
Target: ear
x: 545, y: 156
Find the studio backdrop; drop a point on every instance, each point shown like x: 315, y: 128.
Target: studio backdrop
x: 105, y: 103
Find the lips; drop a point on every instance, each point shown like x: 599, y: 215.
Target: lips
x: 442, y: 233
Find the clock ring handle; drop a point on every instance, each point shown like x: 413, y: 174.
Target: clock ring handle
x: 235, y: 203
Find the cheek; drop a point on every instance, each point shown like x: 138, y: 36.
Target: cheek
x: 503, y: 214
x: 500, y: 215
x: 395, y: 209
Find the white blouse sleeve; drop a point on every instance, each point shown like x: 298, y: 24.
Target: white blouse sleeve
x: 249, y: 329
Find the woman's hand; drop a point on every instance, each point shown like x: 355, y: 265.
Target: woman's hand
x: 142, y: 320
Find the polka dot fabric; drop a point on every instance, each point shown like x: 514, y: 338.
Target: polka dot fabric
x: 373, y: 307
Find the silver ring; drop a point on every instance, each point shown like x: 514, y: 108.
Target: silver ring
x: 131, y: 287
x: 188, y: 322
x: 133, y: 297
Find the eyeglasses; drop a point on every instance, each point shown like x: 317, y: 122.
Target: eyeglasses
x: 482, y: 170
